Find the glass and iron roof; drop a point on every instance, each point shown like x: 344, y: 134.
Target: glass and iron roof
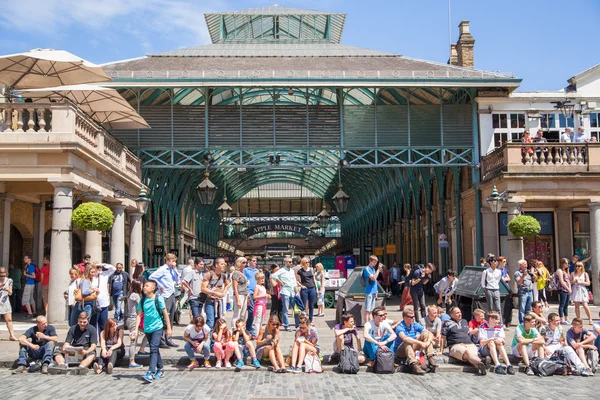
x: 280, y: 190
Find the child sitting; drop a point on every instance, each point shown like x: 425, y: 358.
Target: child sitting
x: 491, y: 342
x: 224, y: 346
x: 245, y: 345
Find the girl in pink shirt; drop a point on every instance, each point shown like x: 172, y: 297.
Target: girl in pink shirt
x: 260, y: 302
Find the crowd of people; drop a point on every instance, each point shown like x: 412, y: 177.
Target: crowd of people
x: 145, y: 305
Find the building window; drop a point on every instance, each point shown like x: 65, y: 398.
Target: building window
x: 507, y: 128
x: 595, y: 125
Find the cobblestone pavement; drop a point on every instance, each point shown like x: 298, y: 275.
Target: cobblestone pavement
x: 223, y: 385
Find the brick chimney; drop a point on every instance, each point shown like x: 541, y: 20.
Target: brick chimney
x: 453, y: 60
x: 464, y: 46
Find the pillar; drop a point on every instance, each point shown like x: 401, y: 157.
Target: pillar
x: 136, y: 249
x: 181, y: 247
x: 515, y: 246
x: 565, y: 233
x: 39, y: 229
x: 429, y: 233
x: 117, y: 236
x: 459, y: 246
x: 5, y: 203
x: 60, y: 252
x: 595, y: 250
x: 443, y: 251
x: 490, y: 232
x: 93, y: 239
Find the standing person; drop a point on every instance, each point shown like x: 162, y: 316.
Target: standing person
x: 112, y: 347
x: 565, y: 137
x: 74, y: 308
x: 370, y: 274
x: 133, y: 300
x: 524, y: 279
x: 197, y: 338
x: 308, y: 287
x: 260, y: 302
x: 45, y: 270
x: 418, y: 279
x: 542, y: 282
x: 37, y: 343
x: 445, y: 289
x: 581, y: 281
x: 132, y: 264
x: 320, y: 281
x: 166, y: 278
x: 138, y: 272
x: 564, y: 290
x: 86, y: 260
x: 214, y: 288
x: 16, y: 275
x: 194, y: 280
x: 395, y: 279
x: 28, y: 292
x: 385, y: 272
x: 405, y: 299
x: 105, y: 271
x: 240, y: 291
x: 156, y: 318
x: 6, y: 288
x: 503, y: 268
x: 118, y: 286
x: 89, y: 291
x: 274, y: 292
x: 287, y: 279
x: 250, y: 272
x: 490, y: 281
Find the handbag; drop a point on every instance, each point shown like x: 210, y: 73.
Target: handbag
x: 312, y: 363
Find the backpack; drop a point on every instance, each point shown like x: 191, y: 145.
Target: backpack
x: 592, y: 359
x: 563, y: 364
x: 38, y: 274
x: 348, y: 361
x: 553, y: 283
x: 542, y: 367
x: 162, y: 317
x: 363, y: 281
x: 384, y: 362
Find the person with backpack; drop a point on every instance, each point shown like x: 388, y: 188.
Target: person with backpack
x: 31, y: 273
x: 554, y: 341
x: 153, y: 309
x: 118, y: 285
x: 344, y: 334
x: 378, y: 334
x: 214, y: 287
x: 167, y: 277
x: 369, y: 282
x: 413, y: 337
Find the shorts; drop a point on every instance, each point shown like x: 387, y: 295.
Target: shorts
x: 28, y: 297
x: 45, y: 293
x: 484, y: 351
x: 370, y: 301
x: 460, y: 349
x: 516, y: 353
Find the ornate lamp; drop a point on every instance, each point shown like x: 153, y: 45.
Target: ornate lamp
x: 238, y: 225
x: 324, y: 217
x: 225, y: 210
x: 207, y: 191
x: 142, y: 201
x: 340, y: 199
x: 496, y: 201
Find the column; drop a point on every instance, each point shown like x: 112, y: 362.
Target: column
x: 60, y: 252
x: 490, y: 232
x: 515, y: 246
x: 39, y: 229
x: 595, y: 250
x: 117, y: 236
x: 6, y: 202
x: 459, y: 232
x: 443, y: 251
x: 565, y: 233
x: 93, y: 239
x: 181, y: 246
x: 135, y: 238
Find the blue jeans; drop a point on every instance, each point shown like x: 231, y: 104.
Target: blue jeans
x: 370, y: 349
x: 88, y: 307
x: 525, y: 299
x: 250, y: 318
x: 155, y: 358
x: 74, y: 314
x: 309, y: 296
x: 563, y: 307
x: 196, y: 307
x: 189, y: 350
x: 285, y: 306
x: 101, y: 319
x: 118, y: 306
x: 209, y: 308
x: 44, y: 353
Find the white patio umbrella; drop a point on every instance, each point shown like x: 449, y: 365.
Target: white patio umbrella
x: 105, y: 105
x: 41, y: 68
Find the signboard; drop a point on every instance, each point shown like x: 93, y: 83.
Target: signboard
x: 159, y: 250
x: 174, y: 251
x: 356, y: 251
x: 390, y: 249
x: 276, y: 227
x: 195, y: 253
x: 443, y: 241
x: 546, y: 220
x: 279, y: 247
x: 378, y: 251
x: 368, y: 249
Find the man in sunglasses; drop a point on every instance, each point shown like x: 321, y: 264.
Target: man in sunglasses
x: 413, y: 337
x: 378, y: 334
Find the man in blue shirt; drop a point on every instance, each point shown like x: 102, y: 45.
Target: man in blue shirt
x: 118, y: 284
x: 250, y: 272
x: 412, y: 337
x: 29, y: 290
x: 166, y: 278
x: 370, y: 274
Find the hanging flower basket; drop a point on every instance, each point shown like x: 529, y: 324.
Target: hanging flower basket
x: 524, y: 226
x: 93, y: 217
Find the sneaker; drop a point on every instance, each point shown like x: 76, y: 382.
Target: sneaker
x: 256, y: 363
x: 291, y: 369
x: 207, y: 364
x: 83, y: 370
x: 288, y: 329
x: 149, y: 377
x: 30, y: 316
x: 297, y: 370
x: 529, y: 371
x: 60, y: 369
x: 97, y: 368
x: 218, y: 365
x: 159, y: 374
x: 584, y: 372
x: 482, y: 368
x: 20, y: 370
x: 227, y: 364
x: 135, y: 365
x: 500, y: 370
x: 416, y: 369
x: 193, y: 364
x: 510, y: 369
x: 45, y: 369
x: 109, y: 368
x: 239, y: 365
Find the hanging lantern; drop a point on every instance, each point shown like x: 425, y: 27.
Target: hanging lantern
x: 207, y: 191
x: 142, y: 201
x: 324, y: 217
x: 238, y: 225
x: 225, y: 210
x: 315, y: 225
x: 340, y: 199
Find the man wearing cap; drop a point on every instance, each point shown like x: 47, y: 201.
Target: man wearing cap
x: 490, y: 282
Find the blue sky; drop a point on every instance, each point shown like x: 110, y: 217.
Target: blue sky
x: 544, y: 42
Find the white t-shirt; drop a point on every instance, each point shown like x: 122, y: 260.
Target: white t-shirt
x: 377, y: 332
x: 101, y: 282
x: 195, y: 335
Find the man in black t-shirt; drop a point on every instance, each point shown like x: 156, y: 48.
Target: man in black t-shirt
x: 37, y: 343
x: 84, y: 337
x: 459, y: 342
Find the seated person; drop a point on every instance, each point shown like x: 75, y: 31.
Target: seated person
x: 456, y: 334
x: 223, y: 344
x: 537, y: 307
x: 245, y: 345
x: 197, y: 340
x: 267, y: 344
x: 43, y: 339
x: 411, y: 337
x: 491, y: 342
x: 84, y: 337
x: 344, y: 333
x: 305, y: 342
x: 112, y: 347
x: 434, y: 324
x: 597, y: 333
x: 478, y: 319
x: 554, y: 339
x: 442, y: 315
x: 526, y: 342
x: 378, y: 334
x: 581, y: 340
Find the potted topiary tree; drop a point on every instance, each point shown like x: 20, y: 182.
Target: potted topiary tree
x: 92, y: 216
x: 524, y: 226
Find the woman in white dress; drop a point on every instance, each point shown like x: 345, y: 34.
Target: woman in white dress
x: 6, y: 288
x: 580, y: 281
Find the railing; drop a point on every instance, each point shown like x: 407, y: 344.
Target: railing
x: 542, y: 158
x: 58, y: 123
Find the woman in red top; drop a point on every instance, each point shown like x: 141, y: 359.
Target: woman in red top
x: 386, y: 278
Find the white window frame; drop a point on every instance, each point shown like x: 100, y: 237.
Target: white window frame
x: 508, y: 134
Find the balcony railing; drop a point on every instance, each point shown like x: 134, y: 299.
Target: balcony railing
x: 551, y: 158
x: 60, y: 123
